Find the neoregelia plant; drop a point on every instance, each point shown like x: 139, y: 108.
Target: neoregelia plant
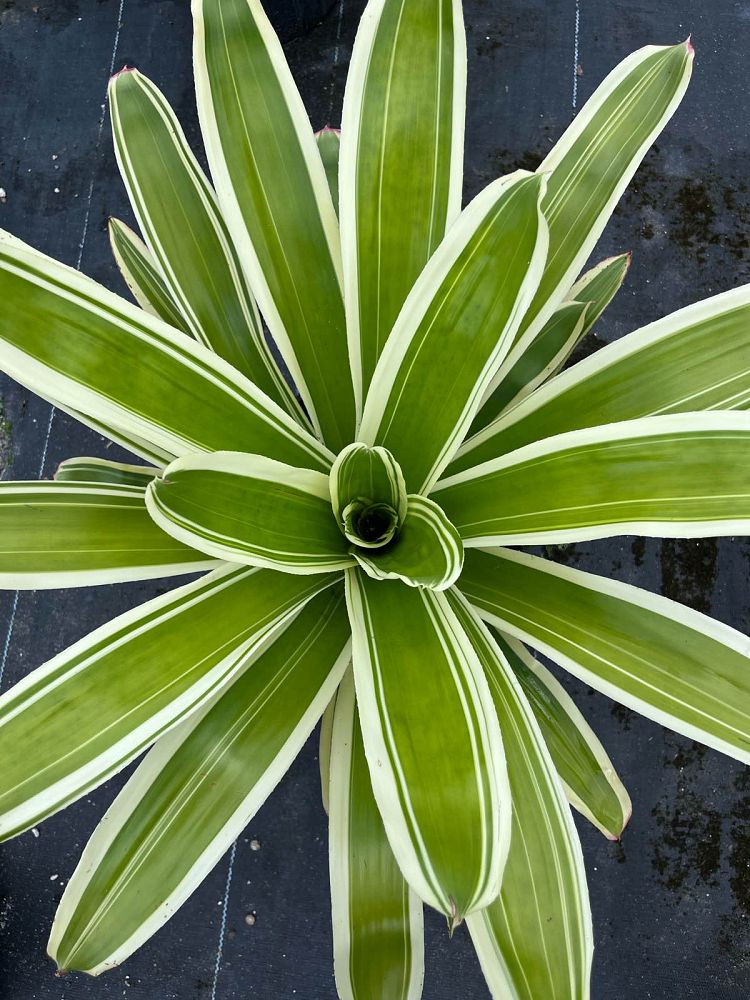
x: 354, y: 531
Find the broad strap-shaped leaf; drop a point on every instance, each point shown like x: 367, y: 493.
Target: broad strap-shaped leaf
x: 695, y: 359
x: 427, y: 552
x: 141, y: 275
x: 72, y: 534
x: 432, y: 742
x: 528, y: 366
x: 378, y: 937
x: 536, y: 939
x: 101, y: 470
x: 678, y: 667
x: 196, y: 791
x: 73, y: 722
x: 599, y: 285
x: 324, y: 750
x: 590, y: 781
x: 277, y: 206
x: 592, y: 163
x: 73, y: 342
x: 177, y: 211
x: 536, y: 361
x: 329, y: 144
x: 250, y: 509
x: 401, y: 161
x: 368, y: 474
x: 455, y: 328
x: 679, y: 476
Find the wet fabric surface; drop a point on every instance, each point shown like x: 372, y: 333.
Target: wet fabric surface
x: 671, y: 901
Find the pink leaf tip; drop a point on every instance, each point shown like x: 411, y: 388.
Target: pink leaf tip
x: 125, y: 69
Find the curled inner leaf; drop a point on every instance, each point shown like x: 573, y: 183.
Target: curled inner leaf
x: 370, y: 525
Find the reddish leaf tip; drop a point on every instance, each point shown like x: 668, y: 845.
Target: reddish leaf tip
x: 125, y: 69
x: 689, y: 45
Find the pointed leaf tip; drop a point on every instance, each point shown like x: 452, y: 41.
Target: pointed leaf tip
x: 125, y: 69
x: 689, y: 45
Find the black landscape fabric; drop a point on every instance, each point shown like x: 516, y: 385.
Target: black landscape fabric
x: 671, y: 901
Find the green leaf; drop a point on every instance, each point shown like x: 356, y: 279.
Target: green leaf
x: 73, y: 722
x: 100, y: 470
x: 536, y: 939
x: 378, y: 937
x: 455, y: 328
x: 368, y: 474
x: 196, y: 791
x: 537, y: 361
x: 70, y: 534
x: 329, y: 143
x: 73, y: 342
x: 529, y: 366
x: 324, y: 750
x: 274, y: 196
x: 141, y: 275
x: 432, y: 742
x: 678, y: 667
x: 694, y: 359
x: 401, y: 161
x: 593, y: 162
x: 587, y: 774
x: 427, y: 552
x: 678, y: 476
x: 250, y: 509
x: 599, y: 285
x: 177, y: 211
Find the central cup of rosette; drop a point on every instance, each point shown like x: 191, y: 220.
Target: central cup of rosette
x: 393, y: 535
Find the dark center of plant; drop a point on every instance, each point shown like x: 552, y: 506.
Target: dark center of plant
x: 370, y: 524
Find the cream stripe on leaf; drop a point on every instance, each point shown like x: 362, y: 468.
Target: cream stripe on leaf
x: 536, y: 939
x: 427, y: 552
x: 250, y: 509
x: 73, y: 722
x: 695, y: 359
x: 532, y: 364
x: 73, y: 342
x: 130, y: 442
x: 378, y: 937
x: 432, y: 742
x: 401, y: 161
x: 455, y: 328
x: 588, y: 776
x: 141, y: 274
x: 678, y: 476
x: 678, y: 667
x: 73, y: 534
x: 277, y: 205
x: 196, y: 791
x: 101, y: 470
x: 593, y: 162
x: 177, y: 211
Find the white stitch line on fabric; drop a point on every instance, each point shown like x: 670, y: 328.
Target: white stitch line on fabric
x: 576, y: 53
x: 223, y: 925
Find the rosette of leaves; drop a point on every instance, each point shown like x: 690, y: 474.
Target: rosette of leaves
x: 359, y: 527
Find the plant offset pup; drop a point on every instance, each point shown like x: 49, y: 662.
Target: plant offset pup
x: 354, y: 534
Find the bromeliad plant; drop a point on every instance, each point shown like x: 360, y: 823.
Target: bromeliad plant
x: 354, y: 535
